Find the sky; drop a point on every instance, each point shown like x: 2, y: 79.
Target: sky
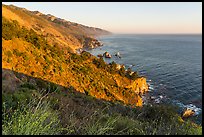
x: 126, y: 17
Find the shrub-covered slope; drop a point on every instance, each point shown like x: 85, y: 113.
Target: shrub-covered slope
x: 32, y: 106
x: 49, y: 89
x: 55, y: 30
x: 25, y: 51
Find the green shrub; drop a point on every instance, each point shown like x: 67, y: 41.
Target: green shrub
x: 126, y: 126
x: 9, y: 60
x: 17, y: 52
x: 39, y: 120
x: 76, y: 58
x: 83, y: 70
x: 103, y: 125
x: 112, y: 68
x: 9, y: 54
x: 51, y: 87
x: 23, y: 96
x: 85, y: 55
x: 46, y: 59
x: 25, y: 57
x: 61, y: 69
x: 100, y: 63
x: 122, y: 72
x: 157, y: 112
x: 28, y: 85
x: 9, y: 29
x: 134, y: 76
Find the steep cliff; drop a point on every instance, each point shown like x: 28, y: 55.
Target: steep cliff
x: 139, y: 85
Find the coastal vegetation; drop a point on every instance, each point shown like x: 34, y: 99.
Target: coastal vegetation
x: 40, y: 107
x: 82, y: 71
x: 48, y: 88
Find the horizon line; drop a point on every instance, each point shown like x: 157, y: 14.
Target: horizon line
x: 160, y: 33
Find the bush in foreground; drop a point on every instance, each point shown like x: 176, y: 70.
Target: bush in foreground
x: 36, y: 118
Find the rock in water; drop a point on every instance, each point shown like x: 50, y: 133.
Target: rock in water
x: 107, y: 55
x: 118, y: 55
x: 99, y: 55
x: 188, y: 113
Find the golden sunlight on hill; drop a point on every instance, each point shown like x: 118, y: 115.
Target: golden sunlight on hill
x: 46, y: 51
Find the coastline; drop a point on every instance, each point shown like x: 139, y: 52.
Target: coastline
x: 65, y: 78
x: 96, y: 43
x: 158, y: 99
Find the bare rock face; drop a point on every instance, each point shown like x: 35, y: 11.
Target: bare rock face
x: 139, y: 85
x: 188, y: 113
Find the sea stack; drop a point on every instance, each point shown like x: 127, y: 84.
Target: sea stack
x: 107, y: 55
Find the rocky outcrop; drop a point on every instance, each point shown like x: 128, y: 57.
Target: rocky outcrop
x: 118, y: 55
x: 107, y: 55
x: 91, y: 43
x: 188, y: 113
x: 99, y: 55
x: 118, y: 66
x: 139, y: 85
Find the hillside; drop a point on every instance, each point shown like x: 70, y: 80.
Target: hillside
x: 55, y: 30
x: 48, y: 88
x: 25, y: 50
x: 29, y: 102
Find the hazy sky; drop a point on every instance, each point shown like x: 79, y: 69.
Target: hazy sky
x: 126, y: 17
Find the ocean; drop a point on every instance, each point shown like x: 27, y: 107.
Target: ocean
x: 172, y: 65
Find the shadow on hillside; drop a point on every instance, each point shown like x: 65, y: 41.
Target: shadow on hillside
x: 70, y: 100
x: 78, y: 109
x: 13, y: 80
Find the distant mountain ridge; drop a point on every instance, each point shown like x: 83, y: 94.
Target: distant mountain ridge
x: 84, y: 29
x: 56, y: 30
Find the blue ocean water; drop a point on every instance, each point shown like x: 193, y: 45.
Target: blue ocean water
x: 172, y: 65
